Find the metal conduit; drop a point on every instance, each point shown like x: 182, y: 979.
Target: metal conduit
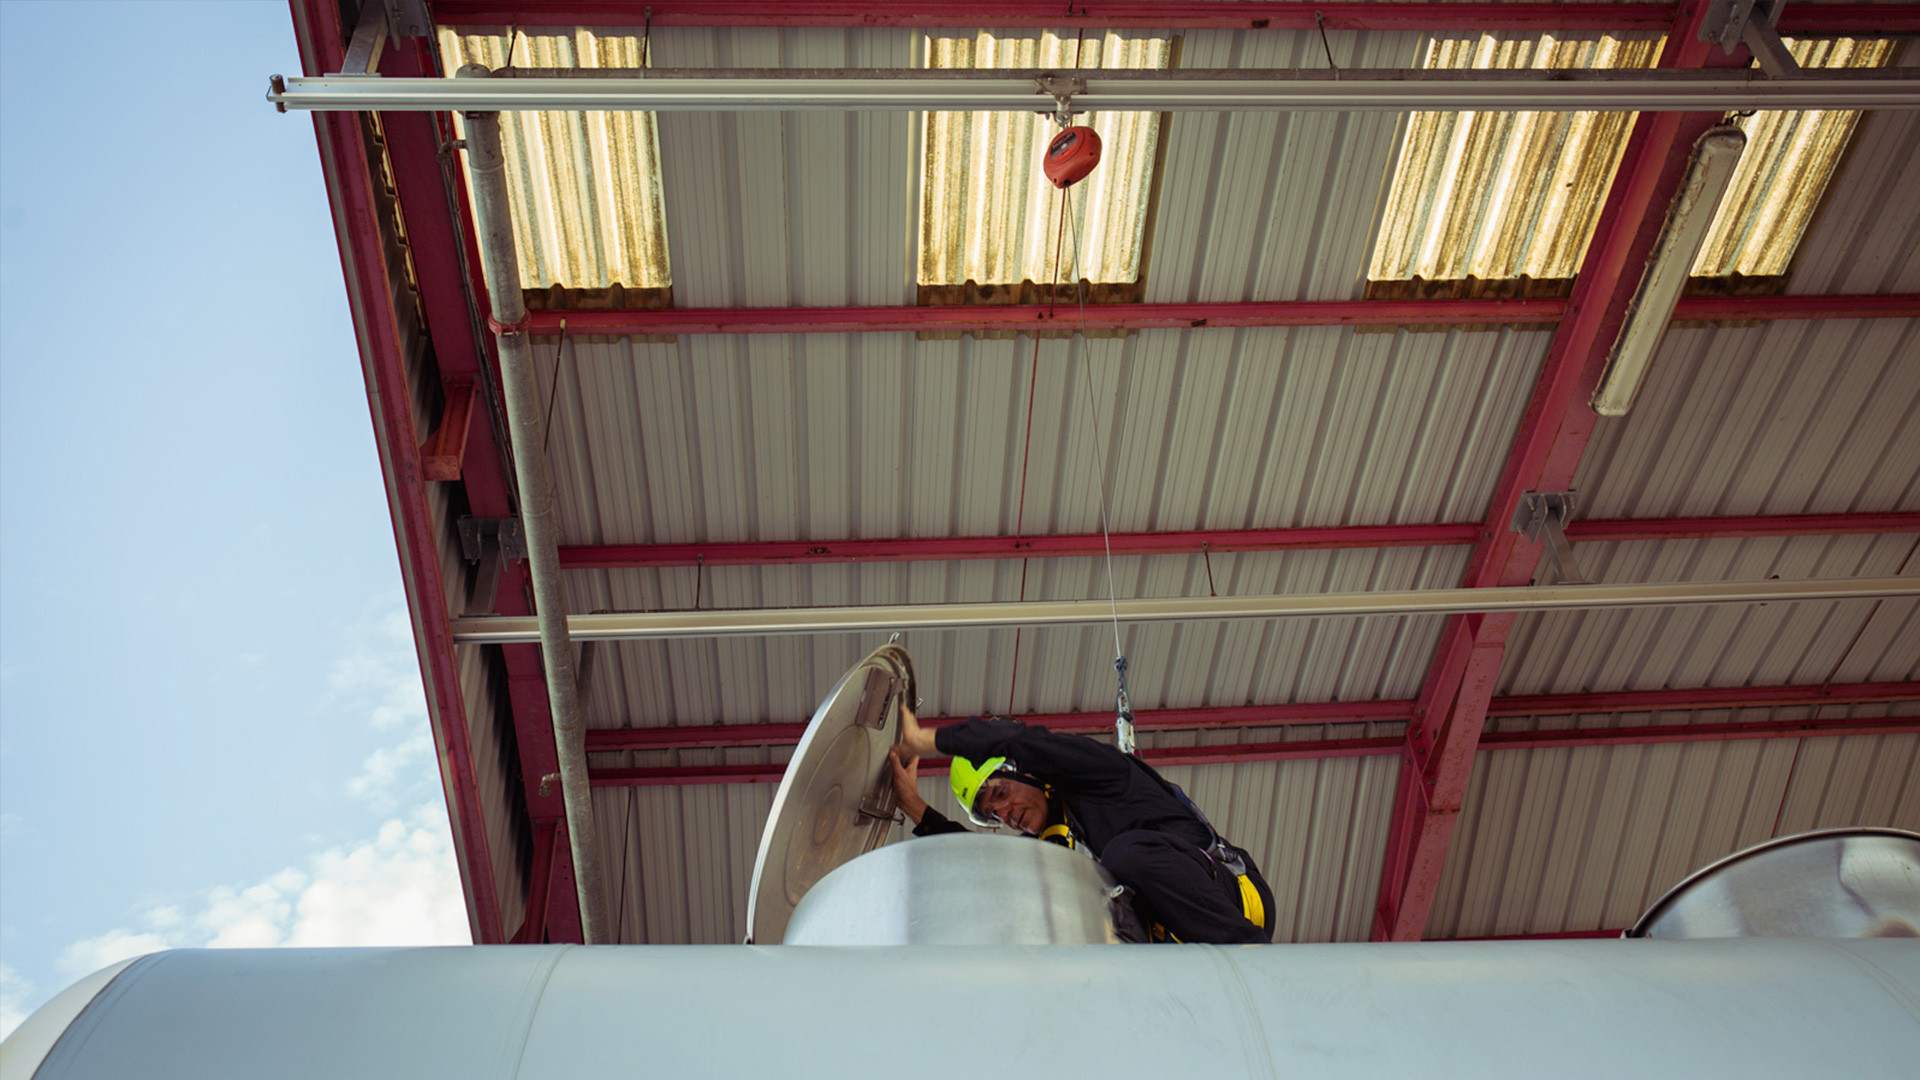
x: 493, y: 222
x: 789, y: 90
x: 695, y: 624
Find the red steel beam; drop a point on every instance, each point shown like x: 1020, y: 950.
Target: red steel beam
x: 438, y: 232
x: 363, y: 257
x: 1438, y: 754
x: 1143, y: 14
x: 861, y: 320
x: 608, y: 740
x: 1081, y: 545
x: 1312, y: 749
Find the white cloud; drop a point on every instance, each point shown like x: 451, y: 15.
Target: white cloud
x: 400, y: 888
x: 397, y: 774
x: 15, y: 992
x: 381, y: 676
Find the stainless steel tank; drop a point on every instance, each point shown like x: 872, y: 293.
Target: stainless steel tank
x: 1751, y: 1008
x: 959, y: 889
x: 1833, y: 883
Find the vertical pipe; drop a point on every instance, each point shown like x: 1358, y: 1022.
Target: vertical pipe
x: 493, y: 222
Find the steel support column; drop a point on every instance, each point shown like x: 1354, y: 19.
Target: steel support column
x: 1438, y: 753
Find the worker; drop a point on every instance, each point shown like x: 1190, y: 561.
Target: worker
x: 1187, y: 883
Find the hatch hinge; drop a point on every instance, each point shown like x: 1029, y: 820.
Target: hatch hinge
x: 1543, y: 517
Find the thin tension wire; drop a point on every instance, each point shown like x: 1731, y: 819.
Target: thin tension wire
x: 1123, y: 703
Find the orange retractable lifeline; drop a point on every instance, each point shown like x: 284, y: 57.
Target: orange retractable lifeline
x: 1071, y: 156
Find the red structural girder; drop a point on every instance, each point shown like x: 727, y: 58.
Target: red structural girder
x: 981, y: 317
x: 1311, y: 749
x: 439, y: 231
x: 1438, y: 751
x: 351, y: 186
x: 606, y: 740
x: 1193, y: 542
x: 1141, y: 14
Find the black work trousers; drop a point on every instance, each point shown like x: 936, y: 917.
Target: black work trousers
x: 1180, y: 887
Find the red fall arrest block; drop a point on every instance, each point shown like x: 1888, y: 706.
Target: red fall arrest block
x: 1071, y: 156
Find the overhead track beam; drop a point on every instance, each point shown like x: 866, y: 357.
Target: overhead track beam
x: 1186, y: 90
x: 1218, y: 316
x: 1799, y: 19
x: 641, y: 626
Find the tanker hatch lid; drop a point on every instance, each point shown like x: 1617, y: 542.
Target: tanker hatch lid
x: 836, y: 800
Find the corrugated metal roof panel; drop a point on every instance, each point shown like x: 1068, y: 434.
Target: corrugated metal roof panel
x: 584, y: 186
x: 1504, y: 195
x: 988, y: 215
x: 1585, y: 838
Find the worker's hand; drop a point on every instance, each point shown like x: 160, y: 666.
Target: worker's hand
x: 906, y: 785
x: 915, y: 741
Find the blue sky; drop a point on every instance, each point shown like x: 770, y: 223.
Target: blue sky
x: 211, y: 728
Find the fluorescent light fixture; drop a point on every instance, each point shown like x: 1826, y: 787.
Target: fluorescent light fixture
x: 1715, y: 157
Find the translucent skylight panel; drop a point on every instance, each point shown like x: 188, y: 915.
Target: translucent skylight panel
x: 584, y: 186
x: 1495, y: 195
x: 1790, y: 158
x: 988, y: 215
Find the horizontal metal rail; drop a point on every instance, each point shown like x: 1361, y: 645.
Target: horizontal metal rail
x: 632, y: 626
x: 792, y: 89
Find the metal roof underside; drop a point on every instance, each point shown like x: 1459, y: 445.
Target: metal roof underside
x: 830, y: 436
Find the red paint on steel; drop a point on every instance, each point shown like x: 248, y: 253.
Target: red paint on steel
x: 1726, y: 697
x: 446, y: 448
x: 439, y: 228
x: 757, y: 553
x: 1653, y: 734
x: 363, y: 257
x: 1144, y: 14
x: 1218, y: 541
x: 1429, y: 846
x: 1441, y: 742
x: 868, y: 320
x: 1714, y: 528
x: 533, y: 924
x: 608, y: 740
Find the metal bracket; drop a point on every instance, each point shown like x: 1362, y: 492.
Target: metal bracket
x: 1732, y: 23
x: 1543, y: 515
x: 484, y: 541
x: 1061, y: 88
x: 408, y: 18
x: 369, y: 38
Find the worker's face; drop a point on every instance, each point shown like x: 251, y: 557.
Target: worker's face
x: 1019, y: 805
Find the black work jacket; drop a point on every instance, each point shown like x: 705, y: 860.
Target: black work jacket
x: 1104, y: 792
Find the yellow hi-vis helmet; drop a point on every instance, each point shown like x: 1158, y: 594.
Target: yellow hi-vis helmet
x: 966, y: 778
